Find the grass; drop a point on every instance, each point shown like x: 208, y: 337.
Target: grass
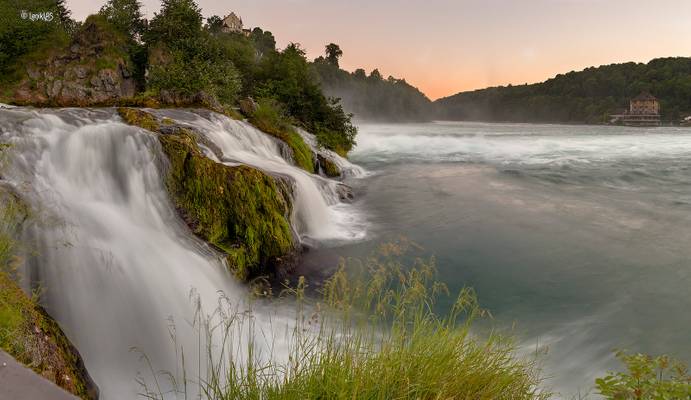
x: 370, y: 333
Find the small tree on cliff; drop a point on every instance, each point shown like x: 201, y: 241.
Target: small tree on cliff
x: 333, y: 53
x: 126, y: 16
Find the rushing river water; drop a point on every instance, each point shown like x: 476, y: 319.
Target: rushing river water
x: 579, y: 235
x: 117, y: 267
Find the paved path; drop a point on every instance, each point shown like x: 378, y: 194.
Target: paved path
x: 18, y: 382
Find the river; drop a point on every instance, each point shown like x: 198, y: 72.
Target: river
x: 576, y: 238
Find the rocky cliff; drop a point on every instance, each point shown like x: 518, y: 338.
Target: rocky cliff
x: 93, y: 69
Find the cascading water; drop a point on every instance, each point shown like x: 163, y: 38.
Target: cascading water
x: 319, y: 215
x: 115, y: 260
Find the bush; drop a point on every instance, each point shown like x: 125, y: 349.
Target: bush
x: 646, y: 378
x: 192, y: 69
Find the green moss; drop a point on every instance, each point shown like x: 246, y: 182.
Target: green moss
x: 269, y: 119
x: 139, y: 118
x: 27, y: 333
x: 328, y: 167
x: 240, y: 210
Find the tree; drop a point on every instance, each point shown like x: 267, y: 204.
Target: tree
x: 264, y: 41
x: 126, y: 16
x: 214, y: 24
x: 376, y: 75
x: 360, y: 74
x: 178, y: 21
x: 333, y: 53
x: 63, y: 12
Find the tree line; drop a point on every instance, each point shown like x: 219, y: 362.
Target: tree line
x: 587, y: 96
x: 371, y: 97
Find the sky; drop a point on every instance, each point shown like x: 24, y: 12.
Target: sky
x: 447, y: 46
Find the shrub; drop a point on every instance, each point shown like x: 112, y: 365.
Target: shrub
x: 646, y: 378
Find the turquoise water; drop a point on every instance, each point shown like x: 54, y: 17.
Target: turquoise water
x: 578, y: 238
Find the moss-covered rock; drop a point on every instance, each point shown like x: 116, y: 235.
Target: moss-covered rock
x: 268, y: 117
x: 27, y: 332
x: 328, y: 167
x: 238, y: 209
x: 140, y: 118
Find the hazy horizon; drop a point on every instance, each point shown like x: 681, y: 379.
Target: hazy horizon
x: 444, y: 47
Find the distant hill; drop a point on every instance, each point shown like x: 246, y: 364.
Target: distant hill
x: 587, y: 96
x: 371, y: 97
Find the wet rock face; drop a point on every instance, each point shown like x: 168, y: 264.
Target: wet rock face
x: 93, y: 70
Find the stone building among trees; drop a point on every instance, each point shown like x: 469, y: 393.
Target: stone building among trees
x: 232, y: 24
x: 644, y: 110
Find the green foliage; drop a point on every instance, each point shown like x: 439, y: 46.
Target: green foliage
x: 264, y: 41
x: 126, y: 16
x: 371, y: 98
x: 270, y: 118
x: 197, y: 67
x: 19, y: 36
x: 333, y: 53
x: 370, y: 334
x: 186, y: 60
x: 214, y: 24
x: 646, y: 378
x: 178, y: 21
x: 287, y: 77
x: 588, y: 96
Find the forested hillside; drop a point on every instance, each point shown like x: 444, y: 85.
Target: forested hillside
x: 587, y: 96
x: 371, y: 97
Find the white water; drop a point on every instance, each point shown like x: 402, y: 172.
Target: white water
x: 318, y: 216
x: 112, y: 255
x: 518, y: 143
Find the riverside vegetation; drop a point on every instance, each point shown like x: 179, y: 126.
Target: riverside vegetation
x: 372, y: 331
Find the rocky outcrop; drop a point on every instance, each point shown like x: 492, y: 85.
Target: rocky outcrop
x: 93, y: 70
x: 241, y: 211
x: 328, y: 167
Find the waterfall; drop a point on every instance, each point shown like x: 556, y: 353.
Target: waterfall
x: 319, y: 216
x: 113, y: 258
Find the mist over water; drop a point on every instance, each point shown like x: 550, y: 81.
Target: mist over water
x: 577, y: 234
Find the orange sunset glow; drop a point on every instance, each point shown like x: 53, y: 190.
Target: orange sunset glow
x: 447, y: 46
